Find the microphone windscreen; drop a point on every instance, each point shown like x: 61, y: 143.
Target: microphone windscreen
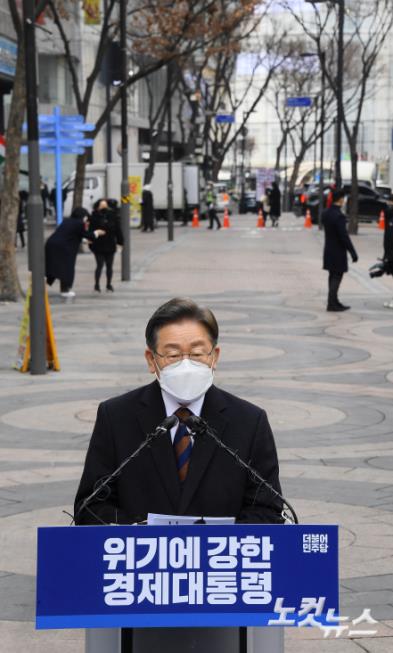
x: 169, y: 422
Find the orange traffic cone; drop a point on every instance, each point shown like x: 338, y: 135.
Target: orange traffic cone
x: 261, y: 221
x: 308, y: 221
x: 381, y: 223
x: 195, y: 219
x: 226, y: 223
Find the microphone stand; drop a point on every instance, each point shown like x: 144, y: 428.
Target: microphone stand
x: 199, y: 426
x: 108, y: 479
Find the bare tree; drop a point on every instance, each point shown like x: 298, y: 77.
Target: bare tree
x: 213, y: 78
x: 299, y: 76
x: 9, y: 283
x: 158, y: 32
x: 368, y: 24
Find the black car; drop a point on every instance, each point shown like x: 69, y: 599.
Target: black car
x: 300, y: 194
x: 371, y: 203
x: 312, y: 200
x: 385, y: 192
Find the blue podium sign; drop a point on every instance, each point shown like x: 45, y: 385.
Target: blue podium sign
x: 154, y: 576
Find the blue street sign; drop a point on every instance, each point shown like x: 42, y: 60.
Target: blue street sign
x: 62, y: 135
x: 66, y: 142
x: 85, y: 127
x: 299, y: 102
x: 64, y: 150
x: 77, y: 119
x: 225, y: 118
x: 180, y: 576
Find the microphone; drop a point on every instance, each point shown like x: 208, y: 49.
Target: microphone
x: 103, y: 483
x: 200, y: 427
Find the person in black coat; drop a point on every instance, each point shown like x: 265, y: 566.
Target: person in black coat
x: 147, y: 209
x: 275, y: 204
x: 20, y: 224
x: 388, y: 248
x: 199, y: 478
x: 62, y: 247
x: 104, y: 249
x: 337, y: 244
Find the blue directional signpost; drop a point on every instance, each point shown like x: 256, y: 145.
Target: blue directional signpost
x: 293, y: 102
x: 225, y: 118
x: 60, y: 135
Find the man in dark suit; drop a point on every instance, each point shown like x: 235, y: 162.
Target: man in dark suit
x: 177, y: 475
x: 337, y: 244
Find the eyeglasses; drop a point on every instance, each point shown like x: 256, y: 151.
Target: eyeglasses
x: 175, y: 357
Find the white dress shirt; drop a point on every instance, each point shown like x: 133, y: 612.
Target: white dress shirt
x: 172, y: 405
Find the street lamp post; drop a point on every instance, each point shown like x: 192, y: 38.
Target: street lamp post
x: 322, y: 57
x: 125, y: 191
x: 35, y: 213
x: 339, y: 84
x: 242, y: 203
x: 170, y: 151
x: 340, y: 73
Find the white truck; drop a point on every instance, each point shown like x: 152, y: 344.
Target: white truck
x: 367, y: 172
x: 104, y: 180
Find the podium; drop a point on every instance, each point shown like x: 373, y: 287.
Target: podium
x: 187, y: 588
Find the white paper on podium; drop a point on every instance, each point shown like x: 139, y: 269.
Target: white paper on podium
x: 154, y: 519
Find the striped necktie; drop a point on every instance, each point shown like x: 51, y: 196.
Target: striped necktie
x: 182, y: 443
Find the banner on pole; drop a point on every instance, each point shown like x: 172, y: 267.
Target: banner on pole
x: 91, y: 10
x: 135, y: 197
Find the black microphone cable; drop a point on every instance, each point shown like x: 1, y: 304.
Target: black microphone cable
x: 199, y: 426
x: 103, y: 483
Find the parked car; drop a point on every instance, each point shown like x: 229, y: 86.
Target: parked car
x: 371, y: 203
x: 311, y: 201
x: 300, y: 195
x: 251, y: 201
x: 385, y: 192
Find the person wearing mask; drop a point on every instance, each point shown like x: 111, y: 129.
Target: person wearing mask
x: 177, y: 474
x: 104, y: 249
x: 62, y: 247
x: 337, y: 244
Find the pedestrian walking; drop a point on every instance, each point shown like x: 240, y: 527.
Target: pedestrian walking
x: 211, y: 202
x: 337, y: 244
x: 147, y: 208
x: 275, y: 204
x: 44, y: 196
x: 106, y: 219
x: 388, y: 249
x: 265, y: 206
x: 62, y: 247
x: 20, y: 224
x: 186, y: 209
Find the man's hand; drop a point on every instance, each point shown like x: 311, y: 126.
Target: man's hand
x: 355, y: 258
x: 99, y: 232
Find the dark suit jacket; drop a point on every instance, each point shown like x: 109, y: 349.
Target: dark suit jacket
x: 215, y: 484
x: 337, y: 241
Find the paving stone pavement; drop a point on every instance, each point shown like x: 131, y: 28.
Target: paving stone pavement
x: 324, y: 378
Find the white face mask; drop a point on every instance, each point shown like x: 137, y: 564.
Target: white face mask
x: 186, y: 381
